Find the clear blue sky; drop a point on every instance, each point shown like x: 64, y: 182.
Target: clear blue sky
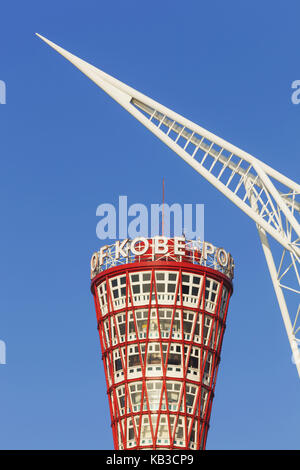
x: 66, y: 147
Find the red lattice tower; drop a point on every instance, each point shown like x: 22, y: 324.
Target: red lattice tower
x: 161, y: 321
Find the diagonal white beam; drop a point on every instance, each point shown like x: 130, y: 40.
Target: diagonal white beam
x: 135, y: 102
x: 281, y: 203
x: 123, y: 94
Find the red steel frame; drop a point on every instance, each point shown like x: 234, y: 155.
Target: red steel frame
x: 129, y: 417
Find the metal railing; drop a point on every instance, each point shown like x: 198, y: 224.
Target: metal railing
x: 195, y: 252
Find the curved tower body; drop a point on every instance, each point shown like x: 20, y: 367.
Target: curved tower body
x: 161, y: 312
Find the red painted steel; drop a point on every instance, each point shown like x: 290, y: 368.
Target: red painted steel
x: 161, y: 326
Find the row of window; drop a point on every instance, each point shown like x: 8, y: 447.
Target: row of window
x: 176, y: 359
x: 141, y: 287
x: 163, y: 428
x: 157, y: 354
x: 161, y: 323
x: 153, y: 397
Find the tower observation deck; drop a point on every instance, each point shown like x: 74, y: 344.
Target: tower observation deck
x: 161, y: 307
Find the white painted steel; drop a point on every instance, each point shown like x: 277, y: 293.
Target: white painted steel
x: 264, y: 194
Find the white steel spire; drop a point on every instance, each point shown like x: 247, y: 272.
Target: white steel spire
x: 268, y: 197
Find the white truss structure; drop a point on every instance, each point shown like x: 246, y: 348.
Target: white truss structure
x: 269, y: 198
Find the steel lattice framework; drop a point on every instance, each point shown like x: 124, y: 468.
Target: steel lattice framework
x: 268, y: 197
x: 161, y: 325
